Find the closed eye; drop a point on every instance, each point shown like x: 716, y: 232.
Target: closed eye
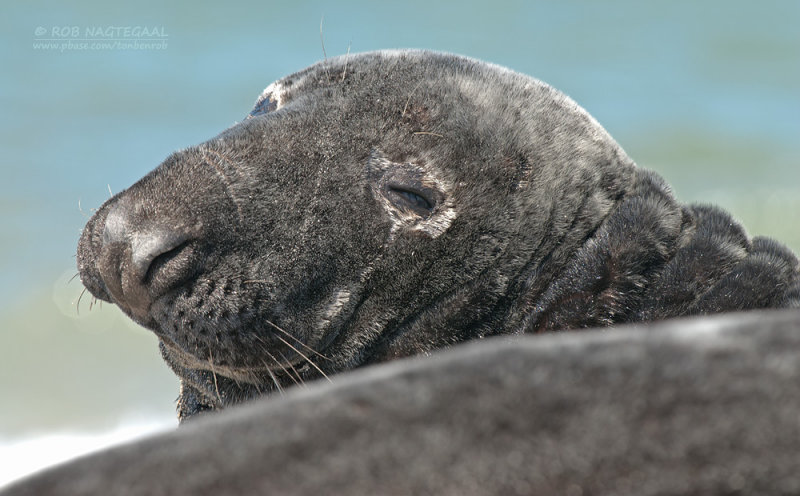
x: 411, y: 200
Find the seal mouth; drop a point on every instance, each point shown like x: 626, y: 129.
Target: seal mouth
x: 289, y: 366
x: 213, y: 329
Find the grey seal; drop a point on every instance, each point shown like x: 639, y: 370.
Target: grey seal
x: 706, y: 405
x: 392, y: 203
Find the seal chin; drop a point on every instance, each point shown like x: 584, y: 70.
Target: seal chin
x: 291, y: 365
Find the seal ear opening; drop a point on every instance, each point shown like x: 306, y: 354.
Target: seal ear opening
x: 412, y: 195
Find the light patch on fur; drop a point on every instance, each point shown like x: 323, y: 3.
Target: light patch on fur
x: 437, y: 224
x: 474, y: 90
x: 270, y: 99
x: 339, y: 300
x: 443, y: 215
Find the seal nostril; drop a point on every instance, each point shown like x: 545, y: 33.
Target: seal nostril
x: 152, y: 250
x: 140, y: 258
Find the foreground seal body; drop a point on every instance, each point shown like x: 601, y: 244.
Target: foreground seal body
x: 391, y: 203
x: 701, y: 406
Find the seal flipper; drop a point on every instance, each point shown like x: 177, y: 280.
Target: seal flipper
x: 715, y: 244
x: 768, y: 277
x: 719, y: 269
x: 654, y: 259
x: 608, y: 277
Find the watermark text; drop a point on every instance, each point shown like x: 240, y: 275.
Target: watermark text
x: 76, y: 38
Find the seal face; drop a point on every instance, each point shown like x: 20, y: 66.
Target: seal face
x: 391, y: 203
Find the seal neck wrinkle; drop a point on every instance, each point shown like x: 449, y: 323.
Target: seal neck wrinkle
x: 611, y: 278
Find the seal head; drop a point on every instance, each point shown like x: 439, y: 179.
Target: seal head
x: 391, y: 203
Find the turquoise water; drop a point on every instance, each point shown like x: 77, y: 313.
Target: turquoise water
x: 707, y: 93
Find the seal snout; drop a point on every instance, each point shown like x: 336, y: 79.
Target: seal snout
x: 131, y: 259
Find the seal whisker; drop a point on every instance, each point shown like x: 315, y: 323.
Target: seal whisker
x: 346, y: 55
x: 254, y: 382
x: 214, y: 375
x: 271, y: 375
x: 311, y: 362
x: 299, y: 341
x: 292, y: 367
x: 78, y: 303
x: 408, y: 100
x: 80, y: 209
x: 282, y: 366
x: 263, y: 346
x: 322, y: 39
x: 322, y: 42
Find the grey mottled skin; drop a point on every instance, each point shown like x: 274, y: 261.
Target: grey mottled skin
x: 389, y: 204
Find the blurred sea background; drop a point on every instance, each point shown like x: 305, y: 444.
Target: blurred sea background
x: 96, y: 94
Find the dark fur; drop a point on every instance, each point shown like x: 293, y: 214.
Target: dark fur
x: 296, y: 242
